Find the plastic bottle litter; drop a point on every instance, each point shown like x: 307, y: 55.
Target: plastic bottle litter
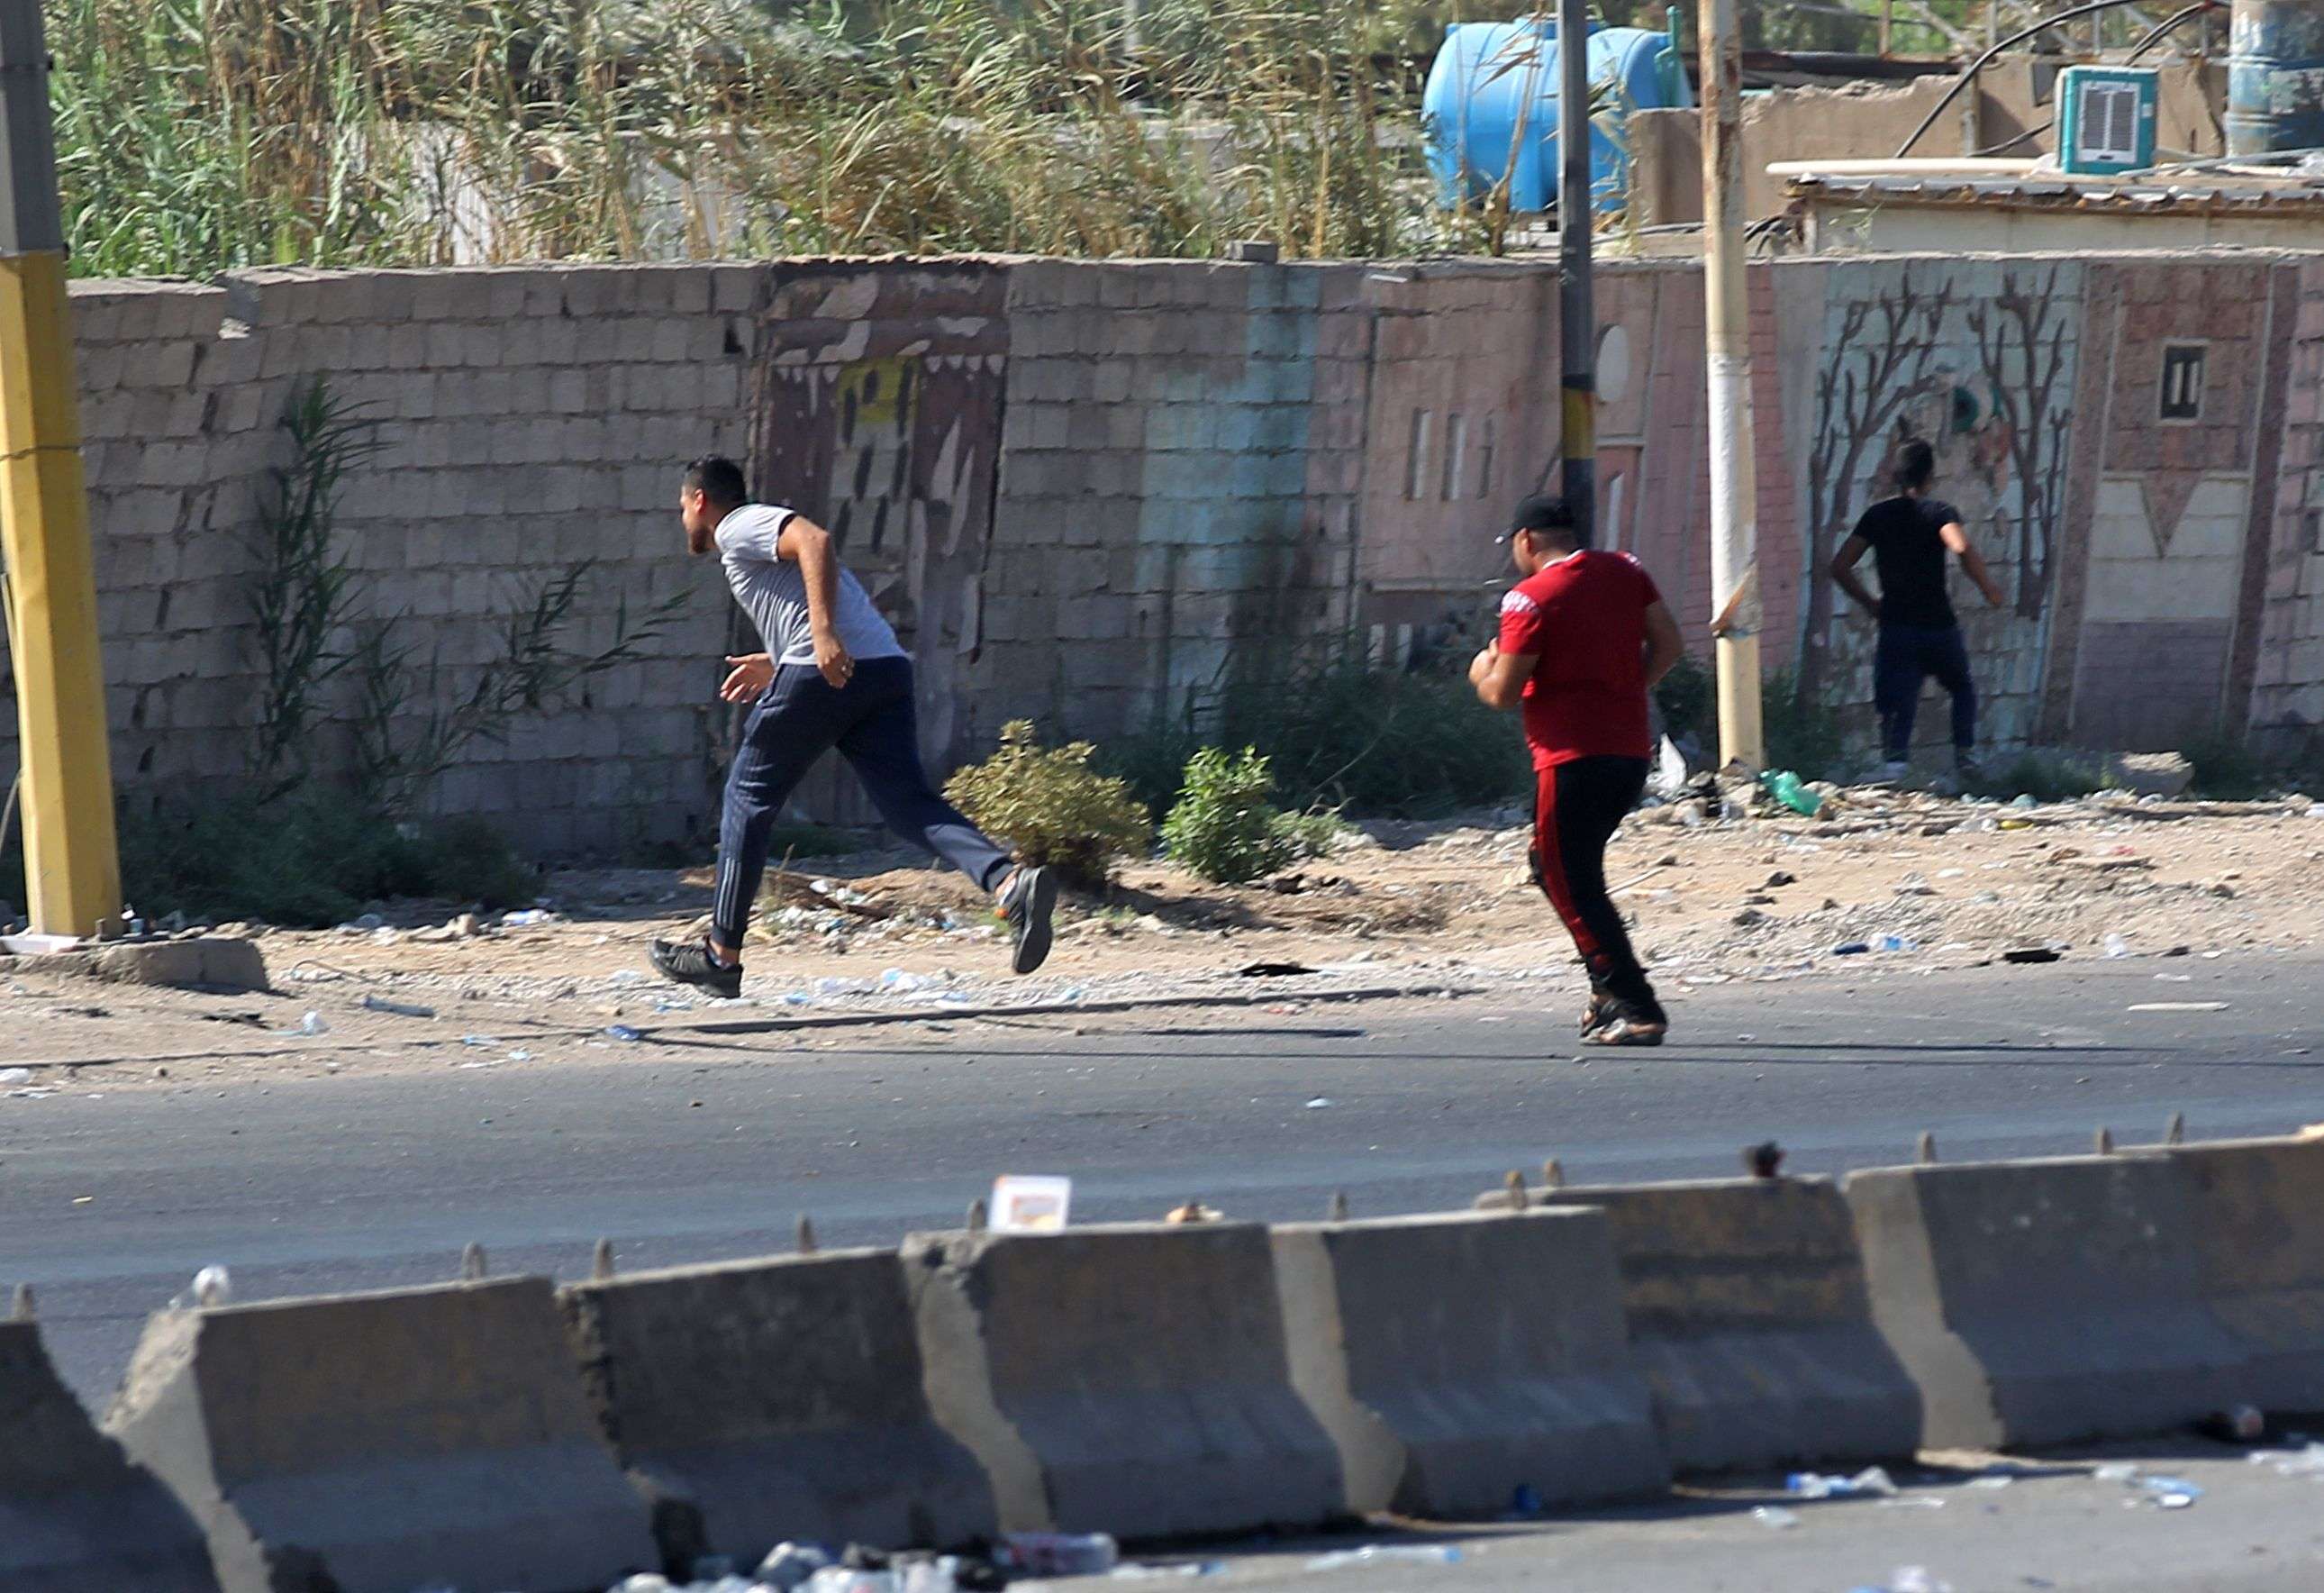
x: 2115, y: 946
x: 311, y: 1024
x: 1319, y: 1103
x: 1387, y: 1554
x: 402, y: 1009
x: 1785, y: 788
x: 623, y: 1031
x: 1060, y: 1554
x: 1871, y: 1480
x: 1774, y: 1517
x: 15, y: 1075
x: 788, y: 1565
x: 1897, y: 943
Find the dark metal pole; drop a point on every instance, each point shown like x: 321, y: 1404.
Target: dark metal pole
x: 1577, y: 320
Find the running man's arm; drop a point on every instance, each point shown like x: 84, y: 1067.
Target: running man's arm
x: 1500, y: 677
x: 1843, y: 574
x: 809, y: 545
x: 1956, y: 537
x: 1663, y: 645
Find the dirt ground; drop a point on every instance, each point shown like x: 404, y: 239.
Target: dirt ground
x: 1918, y: 881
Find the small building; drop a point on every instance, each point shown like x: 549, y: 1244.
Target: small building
x: 1970, y: 207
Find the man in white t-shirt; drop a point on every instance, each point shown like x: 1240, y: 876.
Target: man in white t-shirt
x: 832, y: 676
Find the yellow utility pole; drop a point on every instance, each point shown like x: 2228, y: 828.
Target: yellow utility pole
x: 72, y: 865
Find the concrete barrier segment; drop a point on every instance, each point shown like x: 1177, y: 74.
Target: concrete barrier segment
x: 1130, y: 1379
x: 2045, y: 1302
x: 1459, y: 1360
x: 75, y: 1516
x: 385, y: 1441
x: 1748, y: 1309
x: 771, y: 1400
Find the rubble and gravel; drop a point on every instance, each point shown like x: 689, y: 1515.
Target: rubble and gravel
x: 1720, y: 887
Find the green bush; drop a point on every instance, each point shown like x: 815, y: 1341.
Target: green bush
x: 305, y: 861
x: 1048, y: 805
x: 1224, y: 828
x: 2226, y: 769
x: 1802, y: 735
x: 2047, y: 774
x: 1685, y: 700
x: 1339, y: 734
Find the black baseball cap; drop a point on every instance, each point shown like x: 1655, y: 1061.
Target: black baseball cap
x: 1540, y: 512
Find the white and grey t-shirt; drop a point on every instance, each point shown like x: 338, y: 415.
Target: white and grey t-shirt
x: 772, y: 590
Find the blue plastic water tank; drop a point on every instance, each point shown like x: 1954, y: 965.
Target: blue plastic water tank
x: 1490, y: 74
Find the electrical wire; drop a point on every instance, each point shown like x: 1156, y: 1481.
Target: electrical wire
x: 1968, y: 73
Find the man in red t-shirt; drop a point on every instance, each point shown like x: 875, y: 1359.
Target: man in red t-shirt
x: 1584, y: 637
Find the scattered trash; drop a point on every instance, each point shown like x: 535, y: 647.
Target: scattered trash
x: 527, y: 916
x: 1851, y: 949
x: 788, y: 1565
x: 622, y: 978
x: 1060, y: 1554
x: 1275, y: 970
x: 313, y: 1023
x: 1810, y: 1485
x: 1995, y: 1479
x: 623, y: 1031
x: 1785, y: 788
x: 15, y: 1075
x: 2177, y: 1006
x: 2027, y: 954
x: 1193, y: 1211
x: 519, y: 1056
x: 1384, y: 1553
x: 1897, y: 943
x: 895, y: 981
x: 213, y: 1285
x: 1142, y: 1573
x: 2307, y: 1462
x: 1023, y: 1205
x: 402, y: 1009
x: 478, y: 1039
x: 2115, y: 946
x: 1319, y: 1103
x: 1774, y: 1517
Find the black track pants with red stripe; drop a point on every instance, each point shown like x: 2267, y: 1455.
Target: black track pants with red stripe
x: 1575, y: 812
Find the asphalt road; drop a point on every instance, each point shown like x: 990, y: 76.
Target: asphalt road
x: 110, y: 1199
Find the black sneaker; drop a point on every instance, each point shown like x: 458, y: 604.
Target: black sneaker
x: 1028, y: 902
x: 688, y: 962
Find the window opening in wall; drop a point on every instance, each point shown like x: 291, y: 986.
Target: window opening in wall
x: 2182, y: 382
x: 1485, y: 461
x: 1456, y: 448
x: 1416, y: 469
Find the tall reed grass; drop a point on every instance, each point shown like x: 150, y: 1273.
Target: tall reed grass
x: 198, y: 135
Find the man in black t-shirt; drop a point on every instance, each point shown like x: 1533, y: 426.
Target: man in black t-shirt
x: 1908, y: 537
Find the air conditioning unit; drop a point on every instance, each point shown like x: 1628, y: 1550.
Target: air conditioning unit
x: 2106, y: 119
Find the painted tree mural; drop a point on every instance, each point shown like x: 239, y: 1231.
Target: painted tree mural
x: 2030, y: 404
x: 1878, y: 359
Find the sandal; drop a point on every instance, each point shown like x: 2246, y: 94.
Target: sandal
x: 1602, y: 1010
x: 1626, y: 1030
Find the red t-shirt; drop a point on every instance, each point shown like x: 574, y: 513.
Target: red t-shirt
x: 1586, y: 616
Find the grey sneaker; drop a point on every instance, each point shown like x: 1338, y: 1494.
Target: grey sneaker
x: 1028, y: 902
x: 690, y: 963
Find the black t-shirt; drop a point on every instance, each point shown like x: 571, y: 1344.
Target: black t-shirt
x: 1911, y: 558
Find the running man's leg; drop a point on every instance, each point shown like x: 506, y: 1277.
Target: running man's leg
x: 883, y: 745
x: 1897, y: 674
x: 1948, y: 659
x: 796, y: 722
x: 1579, y: 805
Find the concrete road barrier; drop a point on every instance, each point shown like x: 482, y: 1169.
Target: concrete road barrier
x: 381, y: 1443
x: 1132, y: 1380
x: 75, y: 1516
x: 2045, y: 1302
x: 772, y: 1400
x: 2258, y: 1208
x: 1456, y: 1359
x: 1747, y: 1306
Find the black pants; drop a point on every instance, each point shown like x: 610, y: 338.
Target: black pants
x: 871, y: 720
x: 1906, y: 656
x: 1576, y: 809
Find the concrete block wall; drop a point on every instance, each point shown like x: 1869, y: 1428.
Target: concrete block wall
x: 528, y: 420
x: 1086, y: 491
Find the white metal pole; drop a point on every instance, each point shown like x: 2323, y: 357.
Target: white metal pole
x: 1734, y: 518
